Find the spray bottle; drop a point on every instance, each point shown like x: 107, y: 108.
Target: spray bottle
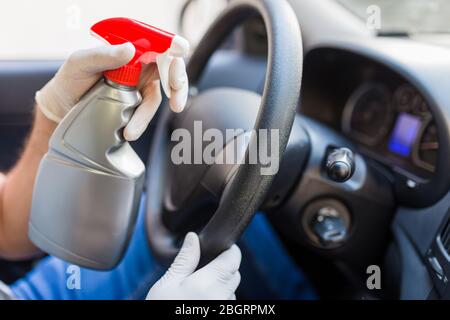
x: 89, y: 183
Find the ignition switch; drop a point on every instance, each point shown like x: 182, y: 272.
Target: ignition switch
x: 327, y: 222
x: 329, y: 226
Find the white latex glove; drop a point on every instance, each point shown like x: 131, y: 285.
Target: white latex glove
x: 85, y: 67
x: 218, y: 280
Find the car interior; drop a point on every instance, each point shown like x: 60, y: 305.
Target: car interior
x: 383, y: 95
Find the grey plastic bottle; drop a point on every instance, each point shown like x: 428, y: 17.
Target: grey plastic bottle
x: 89, y: 184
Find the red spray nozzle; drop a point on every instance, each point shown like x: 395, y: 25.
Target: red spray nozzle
x: 150, y: 44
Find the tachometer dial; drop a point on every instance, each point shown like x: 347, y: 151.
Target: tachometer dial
x: 367, y: 115
x: 403, y: 98
x: 408, y: 100
x: 420, y: 107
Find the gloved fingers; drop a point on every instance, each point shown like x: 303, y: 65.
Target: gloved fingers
x: 232, y: 286
x: 235, y: 281
x: 223, y: 268
x: 227, y: 262
x: 178, y: 82
x: 145, y: 112
x: 179, y: 85
x: 187, y: 259
x: 223, y: 285
x: 177, y: 74
x: 99, y: 59
x: 180, y: 47
x: 178, y: 98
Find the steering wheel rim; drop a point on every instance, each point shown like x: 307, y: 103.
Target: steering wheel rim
x: 277, y: 111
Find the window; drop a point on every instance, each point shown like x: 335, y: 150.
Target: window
x: 52, y: 29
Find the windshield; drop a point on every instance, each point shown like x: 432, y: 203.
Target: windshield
x: 409, y: 16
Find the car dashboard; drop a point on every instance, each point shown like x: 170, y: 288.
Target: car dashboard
x: 385, y: 115
x: 392, y: 105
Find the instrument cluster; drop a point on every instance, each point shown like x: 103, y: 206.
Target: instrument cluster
x: 394, y: 126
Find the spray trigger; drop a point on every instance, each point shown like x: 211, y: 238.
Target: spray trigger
x: 152, y: 45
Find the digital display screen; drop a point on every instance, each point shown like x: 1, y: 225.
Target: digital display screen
x: 404, y: 134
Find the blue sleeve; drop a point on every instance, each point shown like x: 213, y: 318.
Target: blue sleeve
x: 268, y: 271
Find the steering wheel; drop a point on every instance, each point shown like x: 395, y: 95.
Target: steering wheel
x: 173, y: 192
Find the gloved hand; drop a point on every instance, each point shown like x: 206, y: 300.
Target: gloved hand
x: 218, y: 280
x: 84, y: 68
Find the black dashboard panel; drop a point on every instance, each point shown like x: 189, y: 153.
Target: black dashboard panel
x: 385, y: 115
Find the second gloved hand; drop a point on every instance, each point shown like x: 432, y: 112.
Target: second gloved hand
x: 218, y: 280
x: 85, y: 67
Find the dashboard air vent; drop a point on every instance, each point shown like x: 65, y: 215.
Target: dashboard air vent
x: 445, y: 237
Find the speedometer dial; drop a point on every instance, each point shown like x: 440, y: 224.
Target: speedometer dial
x: 367, y: 115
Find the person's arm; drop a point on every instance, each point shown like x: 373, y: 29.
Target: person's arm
x: 77, y: 75
x: 16, y: 188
